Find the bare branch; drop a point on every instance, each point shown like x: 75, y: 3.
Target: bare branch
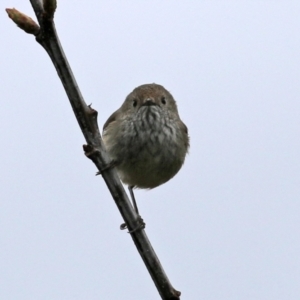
x: 47, y: 37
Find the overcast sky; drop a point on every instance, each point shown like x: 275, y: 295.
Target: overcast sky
x: 227, y: 226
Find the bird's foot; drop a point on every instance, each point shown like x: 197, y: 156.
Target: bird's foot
x: 141, y: 225
x: 108, y: 166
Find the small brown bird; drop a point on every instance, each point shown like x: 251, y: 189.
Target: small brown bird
x: 146, y: 138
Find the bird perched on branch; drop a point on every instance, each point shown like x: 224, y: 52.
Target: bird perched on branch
x: 146, y: 138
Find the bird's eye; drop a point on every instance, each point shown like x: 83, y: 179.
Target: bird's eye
x: 134, y: 103
x: 163, y: 100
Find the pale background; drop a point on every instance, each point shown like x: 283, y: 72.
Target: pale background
x: 227, y: 226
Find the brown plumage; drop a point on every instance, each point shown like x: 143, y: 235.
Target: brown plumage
x: 146, y: 138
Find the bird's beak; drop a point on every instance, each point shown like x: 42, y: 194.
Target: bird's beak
x: 149, y: 102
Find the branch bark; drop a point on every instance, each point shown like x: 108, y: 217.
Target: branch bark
x: 86, y: 116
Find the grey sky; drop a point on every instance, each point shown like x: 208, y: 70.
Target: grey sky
x: 227, y: 226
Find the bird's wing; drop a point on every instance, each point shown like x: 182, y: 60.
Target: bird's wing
x: 111, y: 120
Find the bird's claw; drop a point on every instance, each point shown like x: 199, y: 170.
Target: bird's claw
x: 141, y: 225
x: 108, y: 166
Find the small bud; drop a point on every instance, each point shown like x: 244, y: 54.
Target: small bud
x: 23, y: 21
x: 50, y: 7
